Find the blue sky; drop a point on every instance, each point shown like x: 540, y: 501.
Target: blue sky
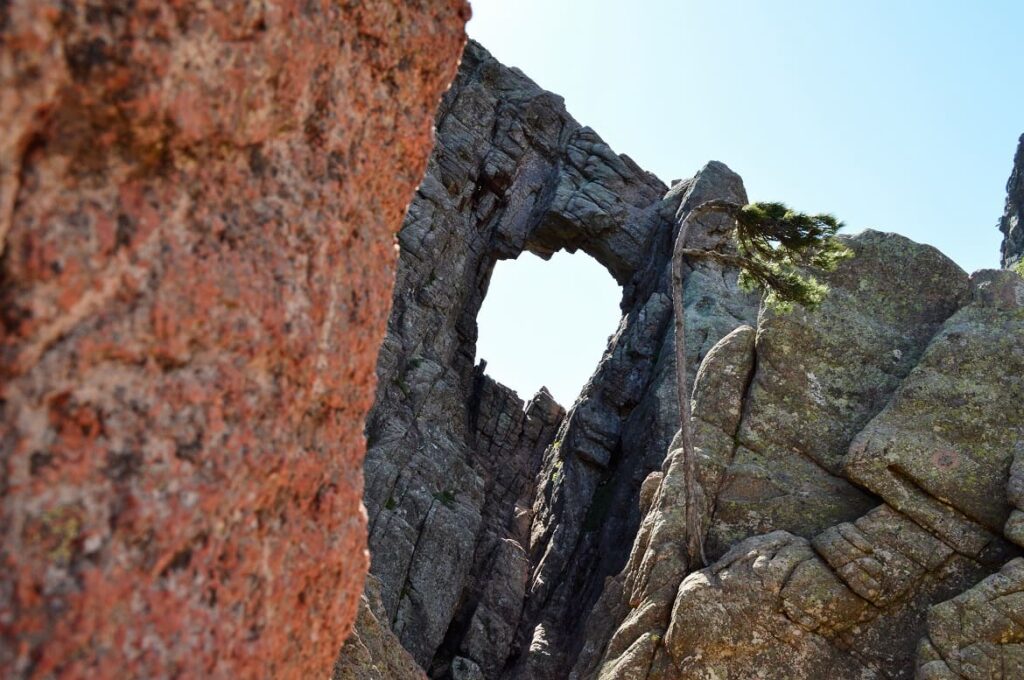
x: 900, y: 115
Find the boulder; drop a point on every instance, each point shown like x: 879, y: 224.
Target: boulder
x: 821, y: 376
x: 979, y: 633
x: 941, y: 450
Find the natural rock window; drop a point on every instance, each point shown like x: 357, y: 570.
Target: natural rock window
x: 495, y: 519
x: 546, y: 323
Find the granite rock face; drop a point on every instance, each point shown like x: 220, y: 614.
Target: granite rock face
x: 776, y: 606
x: 637, y: 604
x: 1012, y: 221
x: 855, y: 599
x: 489, y: 518
x: 372, y: 652
x: 942, y: 449
x: 197, y: 210
x: 860, y: 464
x: 820, y: 378
x: 979, y: 633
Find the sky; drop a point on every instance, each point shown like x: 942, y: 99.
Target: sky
x: 898, y: 115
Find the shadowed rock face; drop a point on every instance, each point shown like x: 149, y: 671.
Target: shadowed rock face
x: 197, y: 210
x: 1012, y: 222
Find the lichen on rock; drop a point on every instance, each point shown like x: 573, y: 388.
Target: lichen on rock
x: 198, y: 204
x: 567, y: 559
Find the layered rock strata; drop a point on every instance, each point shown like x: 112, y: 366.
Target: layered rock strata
x: 197, y: 210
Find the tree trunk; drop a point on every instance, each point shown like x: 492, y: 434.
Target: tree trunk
x: 694, y: 531
x: 694, y: 545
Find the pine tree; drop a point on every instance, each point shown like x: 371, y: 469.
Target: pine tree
x: 777, y: 251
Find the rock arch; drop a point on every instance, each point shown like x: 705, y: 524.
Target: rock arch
x: 547, y: 322
x: 474, y: 559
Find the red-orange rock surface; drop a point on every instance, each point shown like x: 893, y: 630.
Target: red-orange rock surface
x: 197, y: 208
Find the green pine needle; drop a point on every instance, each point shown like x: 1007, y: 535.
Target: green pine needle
x: 779, y: 246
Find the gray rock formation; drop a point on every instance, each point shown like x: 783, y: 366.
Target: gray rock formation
x: 1014, y: 528
x: 1012, y: 222
x: 861, y: 465
x: 477, y: 560
x: 820, y: 377
x: 979, y: 633
x: 658, y: 562
x: 850, y: 600
x: 372, y: 652
x: 941, y: 450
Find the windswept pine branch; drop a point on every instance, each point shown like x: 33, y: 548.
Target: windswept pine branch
x: 778, y: 249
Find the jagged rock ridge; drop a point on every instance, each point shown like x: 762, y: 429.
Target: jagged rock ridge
x: 854, y: 460
x: 1012, y: 221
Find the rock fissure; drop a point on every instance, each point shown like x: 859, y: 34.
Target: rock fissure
x: 982, y: 537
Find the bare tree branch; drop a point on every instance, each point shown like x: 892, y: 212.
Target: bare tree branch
x: 694, y: 538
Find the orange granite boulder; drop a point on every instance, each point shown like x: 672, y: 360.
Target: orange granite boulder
x: 198, y: 203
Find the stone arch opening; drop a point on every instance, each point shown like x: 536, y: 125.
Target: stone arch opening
x: 490, y: 510
x: 547, y: 323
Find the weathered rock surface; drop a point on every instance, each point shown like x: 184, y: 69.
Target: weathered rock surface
x: 576, y: 550
x: 849, y: 604
x: 773, y: 608
x: 941, y: 450
x: 477, y: 558
x: 641, y: 599
x: 197, y: 209
x: 1014, y: 528
x: 524, y: 542
x: 820, y: 377
x: 979, y: 633
x: 852, y: 602
x: 743, y: 631
x: 372, y: 652
x: 770, y: 416
x: 1012, y: 221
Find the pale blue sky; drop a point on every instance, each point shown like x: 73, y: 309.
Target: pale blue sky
x: 900, y: 115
